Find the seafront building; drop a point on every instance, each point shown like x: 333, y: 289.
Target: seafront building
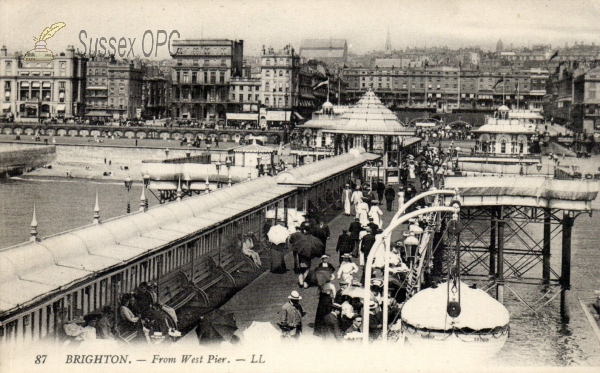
x: 36, y: 90
x: 201, y: 78
x: 114, y: 89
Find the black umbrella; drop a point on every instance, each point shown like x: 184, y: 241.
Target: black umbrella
x: 219, y: 326
x: 308, y: 246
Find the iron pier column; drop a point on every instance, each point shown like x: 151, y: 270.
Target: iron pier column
x: 492, y: 249
x: 546, y: 246
x: 565, y: 273
x: 500, y: 271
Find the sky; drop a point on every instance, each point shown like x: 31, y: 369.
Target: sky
x: 364, y: 24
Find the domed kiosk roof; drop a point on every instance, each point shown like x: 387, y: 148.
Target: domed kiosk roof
x: 369, y: 115
x: 427, y: 309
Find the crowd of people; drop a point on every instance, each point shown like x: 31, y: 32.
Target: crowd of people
x: 339, y: 312
x: 140, y: 314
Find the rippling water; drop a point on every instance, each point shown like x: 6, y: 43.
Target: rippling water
x: 535, y: 339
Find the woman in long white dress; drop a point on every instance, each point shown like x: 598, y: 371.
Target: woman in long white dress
x: 375, y: 213
x: 357, y: 197
x: 362, y: 212
x: 346, y: 197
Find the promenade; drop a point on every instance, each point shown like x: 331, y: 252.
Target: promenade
x: 262, y: 299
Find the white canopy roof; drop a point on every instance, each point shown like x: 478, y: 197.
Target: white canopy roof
x: 32, y: 271
x: 428, y: 309
x: 368, y: 116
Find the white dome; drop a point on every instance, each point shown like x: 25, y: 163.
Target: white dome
x: 503, y: 108
x: 327, y: 105
x: 427, y: 309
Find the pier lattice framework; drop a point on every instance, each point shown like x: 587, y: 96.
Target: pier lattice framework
x: 511, y: 227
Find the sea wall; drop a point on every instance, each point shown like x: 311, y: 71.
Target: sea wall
x: 16, y: 159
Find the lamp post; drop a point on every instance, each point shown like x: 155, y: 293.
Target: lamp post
x: 128, y: 182
x: 218, y: 167
x: 384, y: 239
x: 520, y: 163
x: 167, y: 152
x: 228, y: 164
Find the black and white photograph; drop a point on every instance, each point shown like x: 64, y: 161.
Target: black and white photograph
x: 299, y: 186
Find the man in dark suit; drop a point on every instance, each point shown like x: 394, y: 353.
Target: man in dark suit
x: 345, y: 245
x: 367, y: 242
x: 380, y: 190
x: 331, y: 324
x: 390, y: 195
x: 374, y: 227
x: 354, y: 230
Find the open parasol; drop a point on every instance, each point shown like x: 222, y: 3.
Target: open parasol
x: 219, y: 326
x: 356, y: 292
x: 278, y: 234
x: 260, y: 332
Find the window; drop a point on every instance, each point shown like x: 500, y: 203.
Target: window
x: 177, y: 77
x: 257, y: 97
x: 280, y: 87
x: 185, y: 77
x: 268, y: 61
x: 280, y: 72
x: 267, y: 86
x: 194, y: 77
x: 268, y: 73
x: 241, y: 97
x: 503, y: 146
x: 61, y: 85
x: 223, y: 63
x: 206, y: 77
x: 249, y: 97
x: 267, y: 101
x: 280, y: 102
x: 222, y: 78
x: 213, y: 77
x: 195, y: 62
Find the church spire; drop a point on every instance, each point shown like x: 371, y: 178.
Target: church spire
x: 34, y: 225
x: 388, y: 42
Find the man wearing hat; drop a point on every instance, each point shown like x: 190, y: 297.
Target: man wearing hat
x: 331, y: 327
x: 344, y: 244
x: 291, y: 316
x: 380, y: 190
x: 390, y: 195
x: 367, y: 242
x: 325, y: 263
x: 354, y: 229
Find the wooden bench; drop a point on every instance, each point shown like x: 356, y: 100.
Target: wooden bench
x: 229, y: 264
x: 175, y: 290
x: 205, y: 276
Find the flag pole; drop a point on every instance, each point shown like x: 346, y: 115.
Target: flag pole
x: 328, y: 89
x: 518, y: 95
x: 339, y: 88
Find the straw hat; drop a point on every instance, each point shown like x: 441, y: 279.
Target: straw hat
x: 295, y: 295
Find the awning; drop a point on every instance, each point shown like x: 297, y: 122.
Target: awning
x: 242, y: 116
x: 97, y: 114
x: 25, y: 84
x: 61, y: 95
x: 46, y: 85
x: 60, y: 107
x: 35, y: 85
x: 298, y: 115
x: 7, y: 94
x: 6, y: 107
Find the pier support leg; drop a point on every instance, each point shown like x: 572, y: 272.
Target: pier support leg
x: 438, y: 254
x: 546, y: 246
x: 494, y: 222
x: 565, y: 273
x: 500, y: 272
